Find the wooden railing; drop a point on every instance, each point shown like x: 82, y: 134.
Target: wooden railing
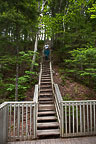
x: 21, y: 120
x: 58, y: 101
x: 76, y: 118
x: 18, y: 120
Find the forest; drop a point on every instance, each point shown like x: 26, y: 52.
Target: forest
x: 70, y: 25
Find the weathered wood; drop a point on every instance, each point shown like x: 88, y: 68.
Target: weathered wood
x: 46, y: 113
x: 48, y: 132
x: 79, y: 118
x: 47, y: 118
x: 81, y: 140
x: 48, y: 125
x: 3, y: 123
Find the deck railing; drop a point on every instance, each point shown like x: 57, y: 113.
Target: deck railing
x: 58, y: 100
x: 18, y: 120
x: 76, y: 118
x: 21, y: 120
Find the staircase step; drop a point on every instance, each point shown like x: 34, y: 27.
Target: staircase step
x: 45, y: 90
x: 45, y: 75
x: 45, y: 99
x: 46, y: 94
x: 46, y: 83
x: 46, y: 102
x: 45, y: 80
x: 51, y: 132
x: 46, y: 118
x: 45, y: 86
x: 44, y: 107
x: 48, y: 125
x: 45, y: 113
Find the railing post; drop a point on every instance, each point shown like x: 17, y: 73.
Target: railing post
x: 4, y: 125
x: 35, y: 120
x: 35, y: 110
x: 61, y: 120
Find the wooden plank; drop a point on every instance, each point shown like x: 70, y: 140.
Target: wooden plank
x: 26, y: 120
x: 69, y: 119
x: 80, y: 119
x: 48, y: 132
x: 10, y: 115
x: 91, y: 116
x: 84, y: 116
x: 18, y: 128
x: 22, y: 119
x: 76, y: 118
x: 66, y: 119
x: 14, y: 119
x: 87, y: 117
x: 46, y: 118
x: 81, y: 140
x: 73, y: 116
x: 94, y: 118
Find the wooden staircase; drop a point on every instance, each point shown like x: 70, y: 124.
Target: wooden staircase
x: 47, y: 123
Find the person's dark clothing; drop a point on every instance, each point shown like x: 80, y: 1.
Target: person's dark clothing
x: 46, y: 53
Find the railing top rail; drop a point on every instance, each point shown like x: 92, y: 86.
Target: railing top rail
x: 58, y: 93
x: 40, y: 73
x: 15, y: 102
x: 79, y: 101
x: 20, y: 102
x: 3, y: 105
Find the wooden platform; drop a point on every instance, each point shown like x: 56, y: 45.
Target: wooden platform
x: 81, y: 140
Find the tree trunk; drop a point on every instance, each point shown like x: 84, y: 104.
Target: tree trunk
x: 16, y: 86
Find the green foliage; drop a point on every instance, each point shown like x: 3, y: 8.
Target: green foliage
x: 26, y: 78
x: 82, y: 65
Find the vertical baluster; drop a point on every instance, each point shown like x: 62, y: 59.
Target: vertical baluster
x: 94, y: 119
x: 26, y: 120
x: 10, y: 120
x: 91, y: 116
x: 77, y: 118
x: 18, y: 128
x: 14, y: 119
x: 87, y: 117
x: 73, y: 116
x: 80, y: 118
x: 66, y: 119
x: 22, y: 120
x: 30, y: 119
x: 69, y: 120
x: 84, y: 116
x: 62, y: 119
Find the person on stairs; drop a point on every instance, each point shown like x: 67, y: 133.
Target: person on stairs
x: 46, y: 52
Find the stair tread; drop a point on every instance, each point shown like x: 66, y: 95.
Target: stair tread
x: 46, y: 102
x: 45, y: 99
x: 47, y: 124
x: 48, y: 132
x: 44, y: 90
x: 46, y: 82
x: 46, y: 86
x: 46, y: 112
x: 47, y: 118
x: 45, y: 75
x: 46, y: 93
x: 45, y: 105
